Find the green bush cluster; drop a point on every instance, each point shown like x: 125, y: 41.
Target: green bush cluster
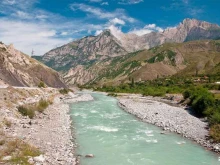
x: 200, y: 99
x: 42, y: 105
x: 41, y: 85
x: 26, y: 111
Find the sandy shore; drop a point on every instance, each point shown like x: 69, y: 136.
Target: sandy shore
x: 170, y: 118
x: 49, y: 131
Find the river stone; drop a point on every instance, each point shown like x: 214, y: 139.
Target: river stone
x: 39, y: 158
x: 89, y: 156
x: 6, y: 158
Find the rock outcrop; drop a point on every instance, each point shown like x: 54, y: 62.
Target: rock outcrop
x: 18, y: 69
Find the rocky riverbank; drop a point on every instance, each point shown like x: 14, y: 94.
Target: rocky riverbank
x: 50, y: 131
x: 170, y: 118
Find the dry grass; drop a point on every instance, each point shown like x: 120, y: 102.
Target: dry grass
x: 7, y: 123
x: 29, y: 110
x: 19, y: 150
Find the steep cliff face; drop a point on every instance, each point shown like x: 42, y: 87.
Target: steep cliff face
x: 18, y: 69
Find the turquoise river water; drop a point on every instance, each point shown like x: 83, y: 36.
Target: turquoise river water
x: 115, y: 137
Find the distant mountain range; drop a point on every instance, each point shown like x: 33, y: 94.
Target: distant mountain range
x: 76, y: 59
x: 18, y: 69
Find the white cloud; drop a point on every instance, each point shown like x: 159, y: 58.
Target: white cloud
x: 116, y: 31
x: 64, y: 33
x: 9, y: 2
x: 130, y: 2
x: 47, y: 33
x: 117, y: 21
x: 95, y: 0
x: 22, y: 15
x: 147, y: 29
x: 101, y: 14
x: 104, y: 3
x: 27, y: 36
x: 98, y: 32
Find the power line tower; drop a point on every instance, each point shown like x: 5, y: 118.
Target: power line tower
x: 32, y: 53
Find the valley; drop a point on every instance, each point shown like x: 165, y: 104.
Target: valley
x: 101, y: 97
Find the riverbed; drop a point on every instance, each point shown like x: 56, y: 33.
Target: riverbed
x: 116, y: 137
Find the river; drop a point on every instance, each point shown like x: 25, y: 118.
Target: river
x: 115, y: 137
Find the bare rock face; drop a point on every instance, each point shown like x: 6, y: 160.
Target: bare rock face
x: 78, y: 75
x: 84, y: 51
x: 192, y: 29
x: 18, y: 69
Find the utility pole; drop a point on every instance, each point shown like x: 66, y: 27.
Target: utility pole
x: 32, y: 53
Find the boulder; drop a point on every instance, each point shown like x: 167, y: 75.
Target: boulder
x: 6, y: 158
x: 89, y: 156
x: 39, y: 158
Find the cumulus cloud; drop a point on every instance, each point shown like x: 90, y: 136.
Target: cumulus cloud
x: 147, y: 29
x: 27, y: 36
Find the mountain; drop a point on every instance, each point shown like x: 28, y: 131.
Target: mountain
x: 181, y: 59
x: 84, y: 51
x: 76, y: 59
x: 18, y: 69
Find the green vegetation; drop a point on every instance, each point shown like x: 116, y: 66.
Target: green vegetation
x: 201, y: 100
x: 215, y: 132
x: 41, y: 85
x: 29, y: 110
x: 26, y: 111
x: 42, y: 105
x: 162, y: 55
x: 65, y: 91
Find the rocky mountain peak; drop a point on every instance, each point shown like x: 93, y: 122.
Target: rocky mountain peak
x: 190, y: 23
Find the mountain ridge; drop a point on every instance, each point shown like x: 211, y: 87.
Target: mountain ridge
x: 77, y: 56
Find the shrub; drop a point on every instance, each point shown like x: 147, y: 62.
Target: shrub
x: 2, y: 142
x: 201, y: 103
x: 215, y: 118
x: 65, y: 91
x: 200, y: 99
x: 26, y: 111
x: 41, y: 85
x: 7, y: 123
x: 42, y: 105
x: 215, y: 132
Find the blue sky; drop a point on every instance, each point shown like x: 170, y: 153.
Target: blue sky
x: 45, y: 24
